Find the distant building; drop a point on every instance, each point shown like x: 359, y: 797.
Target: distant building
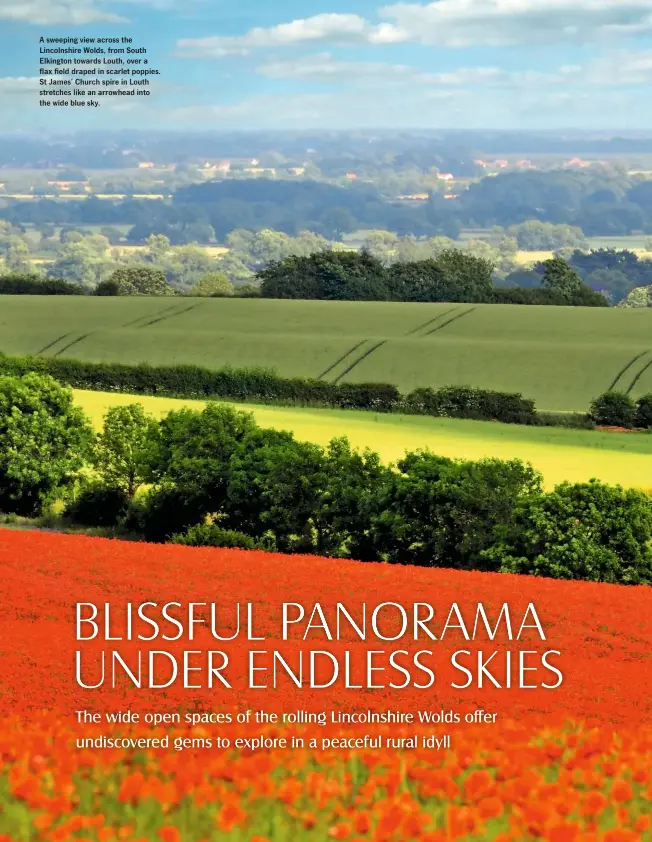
x: 351, y: 176
x: 445, y: 176
x: 146, y: 165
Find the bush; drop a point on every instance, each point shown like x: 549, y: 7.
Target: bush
x: 136, y: 280
x: 107, y: 287
x: 466, y: 402
x: 644, y: 412
x: 98, y: 505
x: 212, y: 535
x: 614, y: 409
x: 162, y: 513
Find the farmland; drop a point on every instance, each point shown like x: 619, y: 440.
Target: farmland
x: 561, y: 357
x: 560, y: 454
x: 570, y: 761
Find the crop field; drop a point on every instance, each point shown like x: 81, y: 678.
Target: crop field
x: 557, y: 760
x: 560, y: 454
x: 562, y: 357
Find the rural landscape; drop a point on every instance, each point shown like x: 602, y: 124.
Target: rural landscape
x: 363, y: 411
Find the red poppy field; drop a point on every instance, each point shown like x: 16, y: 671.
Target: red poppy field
x: 570, y: 764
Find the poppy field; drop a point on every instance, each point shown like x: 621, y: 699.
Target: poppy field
x: 571, y: 764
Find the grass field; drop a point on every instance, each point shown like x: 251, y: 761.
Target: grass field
x: 560, y: 454
x: 561, y: 356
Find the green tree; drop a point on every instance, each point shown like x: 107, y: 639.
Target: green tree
x: 138, y: 280
x: 559, y: 277
x: 157, y: 248
x: 81, y: 262
x: 638, y: 297
x: 613, y: 409
x: 436, y: 512
x: 125, y: 447
x: 470, y: 275
x: 17, y: 256
x: 44, y: 442
x: 590, y: 530
x: 275, y: 483
x: 212, y: 285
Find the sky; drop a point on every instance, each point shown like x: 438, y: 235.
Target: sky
x: 346, y: 64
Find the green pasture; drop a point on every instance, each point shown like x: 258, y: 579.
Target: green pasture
x: 562, y: 357
x: 560, y: 454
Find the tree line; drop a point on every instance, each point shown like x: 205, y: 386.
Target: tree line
x: 454, y: 276
x: 214, y: 477
x: 600, y: 203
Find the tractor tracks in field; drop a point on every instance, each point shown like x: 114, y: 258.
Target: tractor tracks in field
x: 165, y: 313
x: 431, y: 326
x: 73, y: 341
x: 629, y: 367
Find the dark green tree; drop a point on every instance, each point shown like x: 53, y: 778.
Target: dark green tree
x: 437, y: 512
x: 44, y: 441
x: 125, y: 447
x: 559, y: 277
x: 589, y: 531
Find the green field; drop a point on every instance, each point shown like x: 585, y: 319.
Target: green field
x: 560, y: 454
x: 560, y: 356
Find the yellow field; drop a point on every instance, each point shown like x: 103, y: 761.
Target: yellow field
x: 215, y: 251
x: 560, y: 454
x: 526, y: 257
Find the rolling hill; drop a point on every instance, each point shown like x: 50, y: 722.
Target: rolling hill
x: 560, y: 356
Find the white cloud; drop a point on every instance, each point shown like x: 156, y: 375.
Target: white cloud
x: 459, y: 23
x: 450, y: 23
x: 326, y: 28
x: 56, y: 12
x: 18, y: 84
x: 323, y: 67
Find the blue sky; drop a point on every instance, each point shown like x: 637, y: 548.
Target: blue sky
x: 518, y: 64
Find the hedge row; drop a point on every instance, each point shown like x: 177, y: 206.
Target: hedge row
x: 265, y: 386
x: 35, y: 285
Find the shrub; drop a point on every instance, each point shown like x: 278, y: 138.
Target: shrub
x: 137, y: 280
x: 614, y: 409
x: 212, y: 285
x: 644, y: 411
x: 466, y: 402
x: 163, y: 512
x: 212, y: 535
x: 98, y: 505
